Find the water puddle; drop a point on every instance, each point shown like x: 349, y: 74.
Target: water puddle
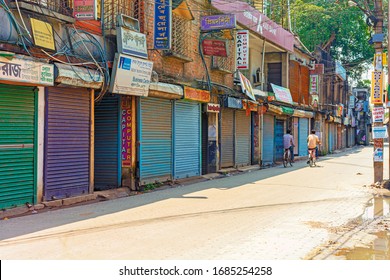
x: 379, y: 246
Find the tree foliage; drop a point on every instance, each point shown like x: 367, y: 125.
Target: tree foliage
x: 339, y: 28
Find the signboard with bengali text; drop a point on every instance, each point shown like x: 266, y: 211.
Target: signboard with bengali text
x: 215, y: 47
x: 196, y: 94
x: 217, y: 22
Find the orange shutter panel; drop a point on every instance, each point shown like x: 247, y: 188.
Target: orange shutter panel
x: 294, y: 80
x: 304, y: 79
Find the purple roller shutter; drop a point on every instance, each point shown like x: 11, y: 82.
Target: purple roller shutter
x: 67, y: 143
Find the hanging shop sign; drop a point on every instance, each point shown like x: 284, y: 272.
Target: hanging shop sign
x: 249, y: 105
x: 77, y: 76
x: 314, y: 100
x: 43, y: 34
x: 131, y: 42
x: 215, y: 47
x: 26, y: 71
x: 196, y: 94
x: 162, y: 24
x: 282, y: 94
x: 242, y: 49
x: 377, y: 87
x: 246, y: 86
x: 231, y: 102
x: 84, y: 9
x: 126, y: 131
x: 313, y: 84
x: 379, y: 132
x: 260, y: 24
x: 378, y: 114
x: 130, y: 75
x: 217, y: 22
x: 213, y: 108
x: 351, y: 103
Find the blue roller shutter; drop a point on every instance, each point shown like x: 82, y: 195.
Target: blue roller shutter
x: 155, y: 136
x: 67, y: 143
x: 268, y: 139
x: 107, y: 152
x: 17, y: 145
x: 187, y: 139
x: 279, y: 147
x: 227, y: 138
x: 303, y: 133
x: 243, y: 138
x: 331, y: 138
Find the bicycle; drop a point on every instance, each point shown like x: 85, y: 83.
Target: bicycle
x: 312, y: 160
x: 287, y: 158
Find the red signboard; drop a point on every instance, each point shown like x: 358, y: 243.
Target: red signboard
x: 214, y: 47
x: 126, y: 131
x: 196, y: 94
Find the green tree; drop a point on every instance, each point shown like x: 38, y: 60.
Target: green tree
x: 336, y: 27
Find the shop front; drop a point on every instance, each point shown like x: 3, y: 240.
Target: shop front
x: 155, y: 133
x: 187, y: 143
x: 69, y: 139
x: 21, y: 129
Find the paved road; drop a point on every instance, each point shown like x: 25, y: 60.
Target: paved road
x: 274, y: 214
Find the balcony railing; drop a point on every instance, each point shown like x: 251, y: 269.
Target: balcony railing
x: 63, y: 7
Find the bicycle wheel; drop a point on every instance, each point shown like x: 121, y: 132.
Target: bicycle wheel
x: 285, y: 159
x: 290, y: 160
x: 311, y: 163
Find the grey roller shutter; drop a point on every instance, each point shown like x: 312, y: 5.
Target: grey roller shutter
x: 243, y: 138
x: 227, y: 138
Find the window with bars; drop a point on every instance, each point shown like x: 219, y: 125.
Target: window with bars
x: 60, y: 6
x: 113, y: 8
x: 181, y: 37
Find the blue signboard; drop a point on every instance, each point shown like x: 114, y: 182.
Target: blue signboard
x: 231, y: 102
x: 217, y: 22
x: 162, y: 24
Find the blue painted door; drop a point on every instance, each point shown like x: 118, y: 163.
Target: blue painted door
x: 268, y: 139
x: 279, y: 131
x: 187, y: 139
x: 107, y: 151
x: 67, y: 142
x: 155, y: 140
x: 303, y: 133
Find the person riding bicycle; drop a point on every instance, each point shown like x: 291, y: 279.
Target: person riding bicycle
x: 288, y: 143
x: 312, y: 141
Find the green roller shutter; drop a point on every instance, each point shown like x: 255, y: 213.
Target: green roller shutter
x: 17, y: 149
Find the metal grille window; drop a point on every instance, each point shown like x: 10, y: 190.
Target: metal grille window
x: 224, y: 64
x: 112, y: 8
x: 181, y: 36
x: 59, y: 6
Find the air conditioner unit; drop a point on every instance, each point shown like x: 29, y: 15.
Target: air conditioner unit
x: 128, y: 22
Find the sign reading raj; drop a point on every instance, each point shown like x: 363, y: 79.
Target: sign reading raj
x: 26, y: 71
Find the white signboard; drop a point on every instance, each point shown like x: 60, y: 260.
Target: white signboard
x: 379, y: 132
x: 313, y: 84
x: 130, y: 75
x: 242, y: 49
x: 378, y: 114
x: 131, y: 42
x: 26, y: 71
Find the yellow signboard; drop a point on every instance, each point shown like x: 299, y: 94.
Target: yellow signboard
x: 43, y: 34
x: 377, y: 87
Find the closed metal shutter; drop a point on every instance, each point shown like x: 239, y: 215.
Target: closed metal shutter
x: 17, y: 145
x: 107, y: 156
x: 331, y: 138
x: 279, y: 147
x: 155, y: 136
x: 243, y: 138
x: 227, y: 138
x: 187, y: 139
x: 268, y: 139
x: 303, y: 134
x: 67, y: 143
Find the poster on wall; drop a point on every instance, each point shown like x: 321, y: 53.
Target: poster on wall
x: 378, y: 155
x: 242, y: 49
x: 84, y: 9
